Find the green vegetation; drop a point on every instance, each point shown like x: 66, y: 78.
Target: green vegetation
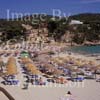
x: 88, y: 31
x: 57, y: 28
x: 11, y: 30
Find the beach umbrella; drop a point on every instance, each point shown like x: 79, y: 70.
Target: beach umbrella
x: 11, y: 66
x: 33, y: 69
x: 57, y: 60
x: 11, y: 72
x: 36, y: 72
x: 48, y: 66
x: 30, y: 66
x: 65, y: 59
x: 52, y: 69
x: 57, y: 72
x: 97, y: 67
x: 26, y: 60
x: 91, y: 63
x: 78, y: 63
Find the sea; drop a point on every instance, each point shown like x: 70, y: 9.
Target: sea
x: 95, y: 50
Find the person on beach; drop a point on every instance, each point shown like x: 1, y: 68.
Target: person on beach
x: 68, y: 96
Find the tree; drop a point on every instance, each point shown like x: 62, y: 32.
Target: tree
x: 11, y: 30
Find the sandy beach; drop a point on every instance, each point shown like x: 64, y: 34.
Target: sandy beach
x: 87, y: 90
x: 90, y: 91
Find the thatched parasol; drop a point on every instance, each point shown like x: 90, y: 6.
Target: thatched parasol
x: 57, y: 72
x: 97, y: 67
x: 36, y: 72
x: 11, y: 67
x: 48, y: 66
x: 30, y: 66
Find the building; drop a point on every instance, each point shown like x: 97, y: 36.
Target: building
x: 75, y: 22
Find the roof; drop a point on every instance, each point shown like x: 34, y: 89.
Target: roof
x: 75, y: 22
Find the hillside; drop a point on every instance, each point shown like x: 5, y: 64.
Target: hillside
x: 89, y: 31
x: 87, y: 17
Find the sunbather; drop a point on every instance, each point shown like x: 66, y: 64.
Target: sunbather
x: 68, y: 96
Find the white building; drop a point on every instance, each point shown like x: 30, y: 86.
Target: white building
x: 75, y: 22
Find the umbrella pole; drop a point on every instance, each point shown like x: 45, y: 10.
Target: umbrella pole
x: 95, y: 74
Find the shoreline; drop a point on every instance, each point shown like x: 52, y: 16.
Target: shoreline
x: 82, y: 56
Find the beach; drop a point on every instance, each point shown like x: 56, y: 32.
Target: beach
x: 86, y: 90
x: 89, y: 92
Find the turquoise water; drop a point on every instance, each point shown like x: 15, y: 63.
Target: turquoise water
x: 86, y: 49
